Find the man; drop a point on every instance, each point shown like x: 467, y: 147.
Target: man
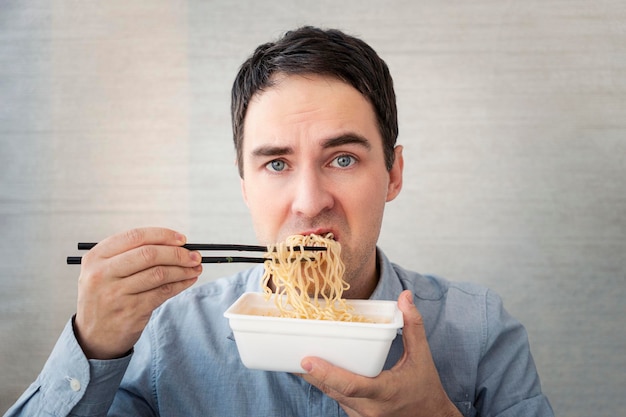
x: 315, y: 127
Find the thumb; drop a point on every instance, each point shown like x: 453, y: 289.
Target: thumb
x: 413, y: 333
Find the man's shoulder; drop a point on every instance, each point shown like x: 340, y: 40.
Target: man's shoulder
x: 451, y: 310
x: 434, y: 287
x: 449, y: 304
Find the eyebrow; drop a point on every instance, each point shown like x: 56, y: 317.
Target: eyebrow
x: 345, y: 139
x: 268, y: 150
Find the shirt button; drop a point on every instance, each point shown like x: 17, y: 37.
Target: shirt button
x: 74, y: 384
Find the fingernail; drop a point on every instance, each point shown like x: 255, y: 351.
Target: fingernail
x: 180, y: 238
x: 306, y: 365
x: 409, y: 298
x: 195, y: 256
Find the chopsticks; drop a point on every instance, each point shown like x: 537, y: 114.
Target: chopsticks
x: 76, y: 260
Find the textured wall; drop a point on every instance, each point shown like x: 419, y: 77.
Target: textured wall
x: 513, y: 115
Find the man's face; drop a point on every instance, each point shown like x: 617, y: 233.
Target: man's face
x: 313, y: 162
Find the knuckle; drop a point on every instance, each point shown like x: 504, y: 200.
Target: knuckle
x: 87, y: 258
x: 180, y: 255
x: 349, y: 390
x: 167, y: 289
x: 90, y: 278
x: 159, y: 275
x: 92, y: 261
x: 148, y: 253
x: 91, y: 274
x: 135, y: 236
x: 328, y: 391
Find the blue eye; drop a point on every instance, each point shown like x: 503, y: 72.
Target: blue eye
x: 344, y: 161
x: 276, y: 165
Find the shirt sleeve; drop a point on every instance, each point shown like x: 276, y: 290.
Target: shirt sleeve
x: 508, y: 383
x: 70, y: 384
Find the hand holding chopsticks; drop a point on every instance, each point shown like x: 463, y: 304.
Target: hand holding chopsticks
x: 126, y: 276
x: 76, y: 260
x: 122, y: 280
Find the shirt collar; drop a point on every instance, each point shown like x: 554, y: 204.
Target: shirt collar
x: 389, y: 285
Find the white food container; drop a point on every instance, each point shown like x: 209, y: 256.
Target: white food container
x: 279, y: 344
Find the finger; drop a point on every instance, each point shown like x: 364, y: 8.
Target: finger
x: 336, y: 382
x: 413, y: 333
x: 135, y: 238
x: 158, y: 276
x: 416, y: 356
x: 353, y: 392
x: 153, y: 298
x: 146, y: 257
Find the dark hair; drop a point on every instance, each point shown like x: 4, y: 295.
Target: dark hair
x: 310, y: 50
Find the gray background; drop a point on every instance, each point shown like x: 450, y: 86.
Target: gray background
x: 114, y: 114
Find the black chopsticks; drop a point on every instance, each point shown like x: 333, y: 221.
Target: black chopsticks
x: 76, y: 260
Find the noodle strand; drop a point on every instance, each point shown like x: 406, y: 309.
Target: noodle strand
x: 308, y: 284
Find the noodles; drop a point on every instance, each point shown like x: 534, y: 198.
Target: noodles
x: 309, y: 284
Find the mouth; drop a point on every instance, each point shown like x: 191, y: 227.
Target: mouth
x: 321, y: 232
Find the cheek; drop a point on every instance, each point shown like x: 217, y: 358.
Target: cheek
x: 363, y: 205
x: 369, y: 204
x: 265, y: 210
x: 369, y: 193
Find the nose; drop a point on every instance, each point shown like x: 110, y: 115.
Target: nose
x: 312, y: 194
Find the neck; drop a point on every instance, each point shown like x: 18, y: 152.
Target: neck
x: 364, y: 281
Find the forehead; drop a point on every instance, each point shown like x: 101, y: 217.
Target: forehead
x: 308, y: 105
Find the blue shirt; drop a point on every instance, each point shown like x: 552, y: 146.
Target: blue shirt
x: 186, y: 362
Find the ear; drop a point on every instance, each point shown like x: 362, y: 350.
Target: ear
x: 395, y: 174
